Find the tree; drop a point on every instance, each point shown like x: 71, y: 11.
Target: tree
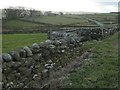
x: 17, y: 12
x: 13, y: 13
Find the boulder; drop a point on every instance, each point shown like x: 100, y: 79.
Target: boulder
x: 6, y: 71
x: 23, y: 53
x: 15, y: 55
x: 7, y: 57
x: 37, y: 57
x: 10, y: 64
x: 48, y: 66
x: 45, y: 53
x: 17, y: 75
x: 16, y: 65
x: 41, y: 44
x: 45, y: 74
x: 28, y: 50
x: 51, y: 48
x: 54, y: 35
x: 63, y: 42
x: 35, y: 48
x: 57, y: 43
x: 48, y: 42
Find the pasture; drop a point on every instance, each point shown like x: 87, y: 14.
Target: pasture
x: 12, y: 42
x: 17, y: 24
x: 101, y: 70
x: 104, y: 17
x: 58, y: 20
x: 41, y: 23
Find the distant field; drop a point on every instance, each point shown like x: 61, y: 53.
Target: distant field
x: 104, y: 17
x: 101, y: 70
x: 17, y: 24
x: 41, y: 23
x: 14, y: 41
x: 58, y: 20
x: 73, y: 19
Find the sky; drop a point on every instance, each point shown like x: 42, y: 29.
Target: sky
x: 65, y: 5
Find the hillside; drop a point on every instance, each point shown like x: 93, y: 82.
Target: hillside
x: 47, y: 23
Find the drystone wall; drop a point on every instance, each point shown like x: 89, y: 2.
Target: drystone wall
x: 30, y: 67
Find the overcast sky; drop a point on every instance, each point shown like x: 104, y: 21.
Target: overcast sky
x: 65, y: 5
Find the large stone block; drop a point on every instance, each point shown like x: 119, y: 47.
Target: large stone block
x: 7, y: 57
x: 15, y: 55
x: 23, y: 53
x: 28, y: 50
x: 45, y: 74
x: 37, y: 57
x: 35, y: 48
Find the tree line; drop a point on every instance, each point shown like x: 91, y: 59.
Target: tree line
x: 19, y: 12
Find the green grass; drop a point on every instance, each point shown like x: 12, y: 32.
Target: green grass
x: 14, y: 41
x: 29, y: 22
x: 17, y: 24
x: 104, y: 17
x: 101, y: 70
x: 57, y: 20
x: 73, y: 19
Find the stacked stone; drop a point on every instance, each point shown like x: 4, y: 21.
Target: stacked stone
x: 31, y: 65
x: 21, y: 68
x: 97, y: 34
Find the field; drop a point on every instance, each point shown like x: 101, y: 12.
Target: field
x: 31, y: 25
x: 98, y: 71
x: 46, y: 23
x: 17, y: 24
x: 101, y: 70
x: 104, y: 17
x: 12, y: 42
x: 58, y: 20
